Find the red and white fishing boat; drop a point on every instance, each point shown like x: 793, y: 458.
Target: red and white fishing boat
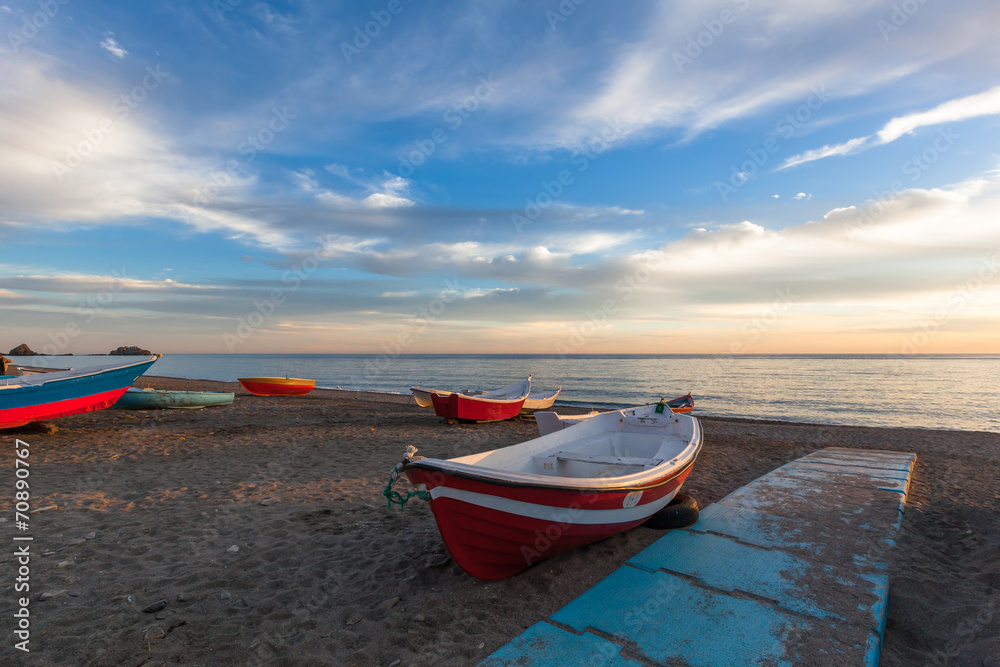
x: 488, y: 406
x: 550, y: 421
x: 277, y: 386
x: 501, y: 511
x: 534, y: 401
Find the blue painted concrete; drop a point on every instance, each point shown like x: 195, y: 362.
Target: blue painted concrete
x: 545, y: 644
x: 789, y: 569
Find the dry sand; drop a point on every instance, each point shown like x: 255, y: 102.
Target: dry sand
x: 152, y: 506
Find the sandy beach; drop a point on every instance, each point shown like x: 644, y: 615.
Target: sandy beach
x: 262, y: 529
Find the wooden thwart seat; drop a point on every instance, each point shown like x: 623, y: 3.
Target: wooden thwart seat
x: 608, y: 460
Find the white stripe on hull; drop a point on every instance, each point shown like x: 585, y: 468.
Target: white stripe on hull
x: 565, y: 515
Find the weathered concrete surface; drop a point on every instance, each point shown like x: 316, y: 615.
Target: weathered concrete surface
x: 788, y: 569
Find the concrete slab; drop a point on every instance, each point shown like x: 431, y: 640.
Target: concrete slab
x: 789, y: 569
x: 798, y: 584
x: 669, y: 619
x: 823, y: 540
x: 545, y: 645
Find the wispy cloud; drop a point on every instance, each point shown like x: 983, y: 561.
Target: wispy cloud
x: 113, y: 47
x: 846, y: 148
x: 982, y: 104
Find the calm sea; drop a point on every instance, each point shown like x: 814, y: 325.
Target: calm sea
x: 942, y: 391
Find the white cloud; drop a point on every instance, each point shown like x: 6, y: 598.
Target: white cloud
x: 111, y: 46
x: 381, y: 200
x: 982, y: 104
x: 846, y: 148
x: 801, y: 196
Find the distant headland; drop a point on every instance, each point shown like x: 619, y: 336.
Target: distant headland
x: 23, y: 350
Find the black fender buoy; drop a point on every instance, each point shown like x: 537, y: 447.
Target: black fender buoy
x: 681, y: 512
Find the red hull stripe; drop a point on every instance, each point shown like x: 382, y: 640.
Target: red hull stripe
x: 491, y: 544
x: 580, y: 514
x: 565, y: 498
x: 20, y: 416
x: 458, y: 406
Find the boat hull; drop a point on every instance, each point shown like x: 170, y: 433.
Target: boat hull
x: 682, y: 405
x: 157, y: 399
x: 539, y: 402
x: 458, y: 406
x: 268, y: 386
x: 494, y: 531
x: 65, y: 396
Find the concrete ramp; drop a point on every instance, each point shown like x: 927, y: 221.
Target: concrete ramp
x: 789, y: 569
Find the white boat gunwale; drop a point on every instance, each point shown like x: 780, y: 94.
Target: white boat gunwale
x: 548, y: 445
x: 38, y: 379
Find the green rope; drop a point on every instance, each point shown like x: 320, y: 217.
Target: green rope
x: 395, y: 497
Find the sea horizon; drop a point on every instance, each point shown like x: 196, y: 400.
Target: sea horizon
x: 879, y: 390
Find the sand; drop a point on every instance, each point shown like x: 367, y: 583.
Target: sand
x: 261, y: 527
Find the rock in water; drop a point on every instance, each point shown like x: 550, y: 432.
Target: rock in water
x: 129, y: 350
x: 22, y: 350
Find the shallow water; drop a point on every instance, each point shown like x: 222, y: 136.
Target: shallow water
x: 940, y: 391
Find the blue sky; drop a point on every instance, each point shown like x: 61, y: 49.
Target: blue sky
x: 578, y: 177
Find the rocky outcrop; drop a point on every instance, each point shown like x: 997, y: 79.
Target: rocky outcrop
x: 131, y: 351
x: 22, y: 350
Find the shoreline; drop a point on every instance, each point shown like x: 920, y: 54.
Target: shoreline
x: 402, y: 399
x: 262, y: 528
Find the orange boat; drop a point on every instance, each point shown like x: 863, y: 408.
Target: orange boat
x: 285, y: 386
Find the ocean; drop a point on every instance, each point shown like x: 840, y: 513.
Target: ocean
x: 958, y: 392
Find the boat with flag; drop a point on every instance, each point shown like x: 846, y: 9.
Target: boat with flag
x: 502, y: 510
x: 35, y: 397
x: 550, y: 421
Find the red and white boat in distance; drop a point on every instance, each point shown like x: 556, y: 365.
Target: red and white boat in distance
x: 491, y: 406
x: 503, y: 510
x: 542, y: 400
x: 550, y: 421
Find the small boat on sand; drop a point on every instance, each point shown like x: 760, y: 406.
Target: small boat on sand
x: 502, y: 510
x: 534, y: 401
x: 275, y: 386
x: 35, y: 397
x: 166, y: 399
x: 550, y: 421
x: 487, y: 406
x: 539, y: 401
